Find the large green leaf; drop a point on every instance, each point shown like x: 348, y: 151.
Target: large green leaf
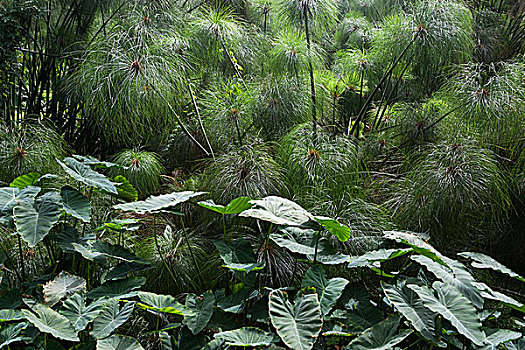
x: 48, y: 320
x: 417, y: 242
x: 482, y: 261
x: 12, y: 333
x: 116, y: 251
x: 296, y: 240
x: 118, y: 342
x: 87, y: 176
x: 117, y: 289
x: 35, y: 220
x: 328, y: 290
x: 382, y: 336
x: 453, y: 306
x: 7, y: 315
x: 125, y: 189
x: 76, y: 204
x: 26, y: 180
x: 94, y: 162
x: 123, y: 269
x: 247, y: 337
x: 238, y: 255
x: 279, y: 211
x: 63, y: 286
x: 342, y: 232
x: 298, y: 324
x: 489, y: 293
x: 80, y: 314
x: 110, y: 318
x: 70, y: 235
x: 495, y: 337
x: 455, y: 275
x: 9, y: 196
x: 408, y: 303
x: 157, y: 203
x: 202, y: 308
x: 377, y: 256
x: 236, y: 206
x: 162, y: 303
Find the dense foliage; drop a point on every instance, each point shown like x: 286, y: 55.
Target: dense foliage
x: 262, y: 174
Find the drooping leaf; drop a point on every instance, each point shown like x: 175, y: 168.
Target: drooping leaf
x: 377, y: 256
x: 87, y: 176
x: 453, y: 306
x: 328, y: 290
x: 35, y: 220
x: 123, y: 269
x: 496, y: 337
x: 12, y: 333
x: 157, y: 203
x: 26, y: 180
x: 48, y: 320
x: 455, y: 275
x: 298, y: 324
x: 296, y: 240
x: 162, y: 303
x: 80, y: 314
x: 417, y: 242
x: 9, y: 196
x: 382, y: 336
x: 7, y: 315
x: 125, y: 189
x: 118, y: 342
x: 408, y: 303
x: 116, y: 251
x: 342, y: 232
x: 279, y: 211
x: 110, y: 318
x: 202, y: 308
x: 247, y: 337
x: 92, y: 161
x: 238, y: 255
x: 62, y: 286
x: 70, y: 235
x: 482, y: 261
x: 236, y: 206
x: 489, y: 293
x: 117, y: 289
x: 76, y: 204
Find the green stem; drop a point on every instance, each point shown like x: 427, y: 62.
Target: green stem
x: 316, y: 247
x: 23, y: 279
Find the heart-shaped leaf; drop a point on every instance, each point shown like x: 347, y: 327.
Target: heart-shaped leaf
x: 110, y: 318
x: 156, y: 203
x: 247, y: 337
x: 117, y: 289
x: 342, y: 232
x: 118, y: 342
x: 35, y: 220
x: 238, y: 256
x: 80, y: 314
x: 86, y: 175
x: 298, y: 324
x: 202, y: 308
x: 328, y: 290
x: 162, y: 303
x: 482, y: 261
x: 26, y: 180
x: 454, y: 307
x: 236, y: 206
x: 279, y: 211
x: 382, y: 336
x: 76, y: 204
x: 62, y: 286
x: 49, y: 321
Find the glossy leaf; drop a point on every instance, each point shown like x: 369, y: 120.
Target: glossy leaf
x: 298, y: 324
x: 202, y: 308
x: 117, y: 289
x: 328, y: 290
x: 49, y: 321
x: 35, y: 220
x: 247, y: 337
x: 87, y: 176
x: 382, y: 336
x: 62, y: 286
x: 110, y: 318
x: 279, y: 211
x: 236, y: 206
x: 157, y: 203
x: 482, y: 261
x: 80, y: 314
x: 162, y: 303
x: 76, y: 204
x: 454, y: 307
x: 118, y: 342
x: 342, y: 232
x: 238, y: 255
x: 26, y: 180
